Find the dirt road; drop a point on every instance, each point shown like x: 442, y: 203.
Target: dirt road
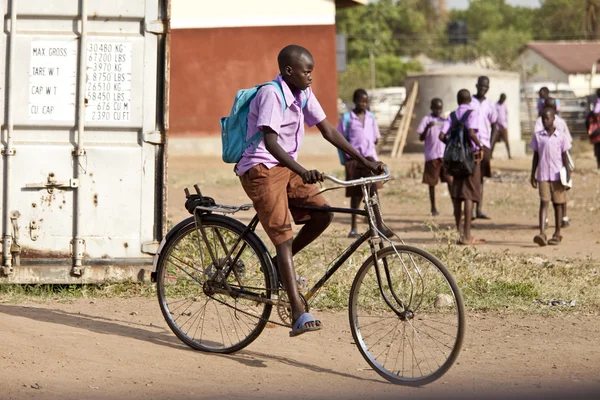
x: 122, y: 348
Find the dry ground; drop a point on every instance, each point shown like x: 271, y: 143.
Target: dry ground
x: 122, y: 348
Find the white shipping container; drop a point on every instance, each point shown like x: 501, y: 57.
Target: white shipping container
x: 85, y: 86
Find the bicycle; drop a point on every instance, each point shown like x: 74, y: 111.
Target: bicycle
x: 217, y: 286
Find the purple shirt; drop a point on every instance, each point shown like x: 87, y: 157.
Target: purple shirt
x: 361, y: 136
x: 597, y: 107
x: 434, y: 147
x: 502, y: 115
x: 560, y: 125
x: 471, y: 123
x: 550, y: 149
x: 266, y: 110
x: 541, y: 102
x: 487, y: 115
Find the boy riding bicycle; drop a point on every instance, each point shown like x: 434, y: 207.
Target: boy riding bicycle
x: 274, y: 180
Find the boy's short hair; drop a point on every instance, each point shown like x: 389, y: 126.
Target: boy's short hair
x: 463, y: 96
x: 436, y: 100
x: 358, y: 93
x: 289, y: 54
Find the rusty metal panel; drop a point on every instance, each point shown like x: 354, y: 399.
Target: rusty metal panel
x: 84, y: 173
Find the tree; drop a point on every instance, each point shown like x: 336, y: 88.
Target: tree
x: 560, y: 20
x: 502, y: 46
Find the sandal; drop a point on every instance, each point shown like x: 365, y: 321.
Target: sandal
x: 299, y: 326
x: 540, y: 239
x: 555, y: 240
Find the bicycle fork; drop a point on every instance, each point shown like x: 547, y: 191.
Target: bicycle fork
x: 372, y: 206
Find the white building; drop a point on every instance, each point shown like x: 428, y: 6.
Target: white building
x: 570, y: 62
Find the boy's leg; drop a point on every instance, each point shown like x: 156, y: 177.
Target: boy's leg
x: 468, y: 216
x: 543, y: 215
x: 434, y: 210
x: 557, y: 219
x: 457, y: 205
x: 318, y: 222
x: 485, y: 171
x: 506, y: 142
x: 354, y: 203
x: 285, y: 266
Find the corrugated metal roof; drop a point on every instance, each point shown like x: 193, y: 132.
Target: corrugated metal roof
x: 570, y: 57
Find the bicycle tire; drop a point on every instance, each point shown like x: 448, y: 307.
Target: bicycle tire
x: 185, y: 280
x: 367, y: 303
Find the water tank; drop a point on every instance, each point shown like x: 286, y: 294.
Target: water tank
x: 446, y: 82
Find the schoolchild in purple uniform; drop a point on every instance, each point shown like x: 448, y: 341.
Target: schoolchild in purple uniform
x: 362, y: 134
x: 487, y: 116
x: 465, y: 189
x: 501, y: 125
x: 273, y: 179
x: 429, y: 131
x: 544, y: 95
x: 550, y: 155
x: 561, y: 129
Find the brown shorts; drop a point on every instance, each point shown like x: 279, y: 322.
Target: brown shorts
x: 552, y: 191
x: 273, y: 191
x: 355, y: 170
x: 501, y: 135
x: 435, y: 172
x: 467, y: 188
x: 486, y: 163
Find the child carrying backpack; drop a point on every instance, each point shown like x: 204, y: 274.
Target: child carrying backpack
x: 462, y: 161
x: 361, y: 131
x: 262, y: 136
x: 593, y: 127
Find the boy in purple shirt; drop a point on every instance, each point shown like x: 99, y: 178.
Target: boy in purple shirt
x: 562, y: 129
x: 273, y: 179
x: 362, y: 133
x: 429, y: 131
x: 465, y: 189
x: 550, y: 155
x: 501, y: 125
x: 487, y: 115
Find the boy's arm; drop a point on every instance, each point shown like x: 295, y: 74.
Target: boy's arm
x: 474, y: 137
x: 335, y: 138
x: 534, y: 166
x: 270, y: 137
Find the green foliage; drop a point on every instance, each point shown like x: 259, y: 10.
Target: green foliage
x: 496, y: 29
x: 502, y: 46
x: 561, y: 19
x: 390, y: 71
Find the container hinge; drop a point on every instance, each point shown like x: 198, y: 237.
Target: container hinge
x: 51, y: 184
x: 158, y: 26
x: 155, y: 137
x: 150, y: 247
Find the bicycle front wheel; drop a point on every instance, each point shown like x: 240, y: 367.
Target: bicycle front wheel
x: 407, y: 315
x: 189, y: 265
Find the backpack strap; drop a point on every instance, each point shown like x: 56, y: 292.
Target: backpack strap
x: 453, y: 118
x: 280, y: 90
x: 465, y: 116
x: 346, y: 119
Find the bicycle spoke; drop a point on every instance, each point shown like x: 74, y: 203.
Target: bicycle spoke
x: 423, y: 342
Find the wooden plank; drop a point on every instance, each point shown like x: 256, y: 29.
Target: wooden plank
x: 400, y: 138
x: 392, y: 130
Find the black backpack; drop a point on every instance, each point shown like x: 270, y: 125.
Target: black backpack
x: 458, y: 156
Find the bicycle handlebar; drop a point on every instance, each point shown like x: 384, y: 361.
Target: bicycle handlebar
x: 362, y: 181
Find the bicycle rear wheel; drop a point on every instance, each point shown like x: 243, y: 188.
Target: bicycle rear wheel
x: 201, y: 317
x: 407, y: 315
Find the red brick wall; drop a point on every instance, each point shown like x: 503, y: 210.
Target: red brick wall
x: 208, y: 66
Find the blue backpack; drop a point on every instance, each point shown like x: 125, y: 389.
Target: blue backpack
x: 234, y: 128
x: 346, y: 124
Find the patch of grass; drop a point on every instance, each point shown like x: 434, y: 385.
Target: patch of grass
x: 18, y: 293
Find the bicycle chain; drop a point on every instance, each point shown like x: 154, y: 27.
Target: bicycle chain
x: 248, y: 314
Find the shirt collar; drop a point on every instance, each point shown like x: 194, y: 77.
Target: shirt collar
x: 287, y: 92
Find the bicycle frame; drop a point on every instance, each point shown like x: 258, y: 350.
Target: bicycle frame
x: 371, y: 235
